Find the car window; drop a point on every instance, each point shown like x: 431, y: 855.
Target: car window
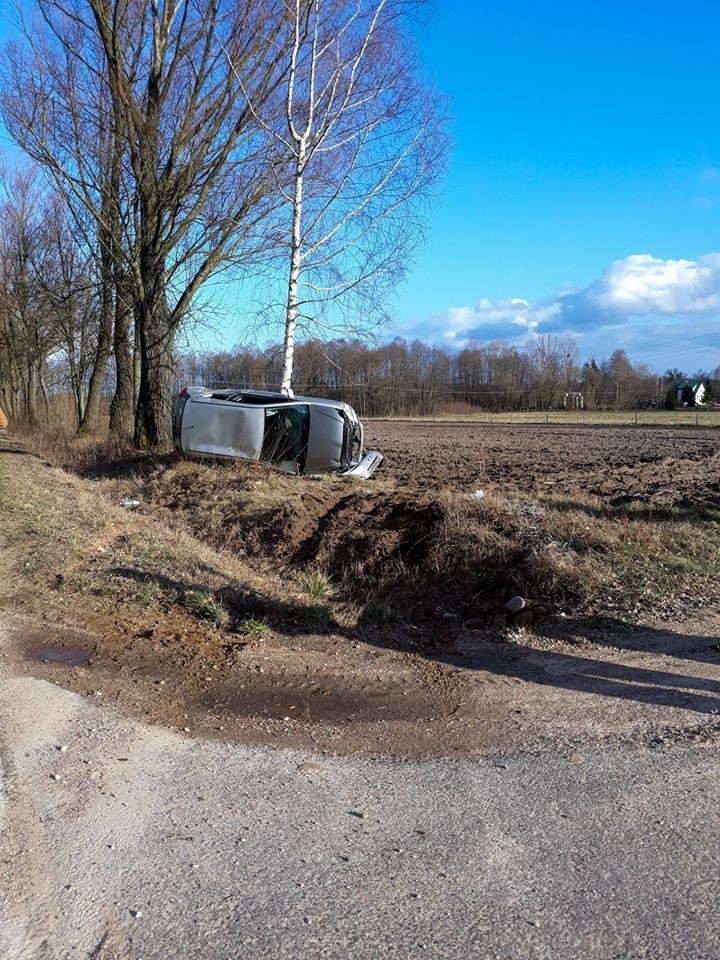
x: 286, y: 435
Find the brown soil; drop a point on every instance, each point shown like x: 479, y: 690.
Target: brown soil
x: 346, y: 696
x: 462, y: 517
x: 618, y: 465
x: 413, y: 657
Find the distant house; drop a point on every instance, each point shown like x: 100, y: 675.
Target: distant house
x: 689, y: 393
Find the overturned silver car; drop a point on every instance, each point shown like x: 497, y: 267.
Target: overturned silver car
x: 298, y: 435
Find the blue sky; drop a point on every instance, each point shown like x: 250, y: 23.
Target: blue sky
x: 583, y: 193
x: 587, y: 140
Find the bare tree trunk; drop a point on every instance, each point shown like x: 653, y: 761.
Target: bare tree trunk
x: 136, y: 361
x: 76, y: 389
x: 13, y: 405
x: 43, y: 393
x: 91, y: 415
x: 153, y: 416
x: 31, y: 409
x: 124, y: 401
x: 292, y: 298
x: 78, y: 404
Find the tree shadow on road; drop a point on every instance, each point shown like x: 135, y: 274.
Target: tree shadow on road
x: 601, y: 674
x: 614, y: 634
x: 598, y: 673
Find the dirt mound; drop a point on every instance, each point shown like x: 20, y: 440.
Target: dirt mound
x: 292, y: 530
x: 440, y: 555
x: 361, y: 535
x: 462, y: 517
x: 348, y: 529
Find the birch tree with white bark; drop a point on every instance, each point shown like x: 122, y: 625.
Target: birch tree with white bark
x: 360, y: 142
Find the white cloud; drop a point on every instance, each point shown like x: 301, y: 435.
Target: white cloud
x: 493, y: 320
x: 489, y: 315
x: 544, y: 313
x: 637, y: 286
x: 642, y: 284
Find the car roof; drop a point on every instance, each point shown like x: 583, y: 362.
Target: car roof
x: 230, y: 393
x: 257, y: 396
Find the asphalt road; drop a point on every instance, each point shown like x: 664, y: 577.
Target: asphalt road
x: 154, y: 845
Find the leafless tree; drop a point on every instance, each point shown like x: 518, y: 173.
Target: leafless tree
x: 57, y: 106
x: 553, y: 359
x: 363, y: 142
x: 185, y: 150
x: 415, y: 379
x: 27, y: 333
x: 71, y: 301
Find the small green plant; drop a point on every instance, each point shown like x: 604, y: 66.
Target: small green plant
x: 316, y: 585
x: 253, y: 626
x: 145, y: 592
x: 382, y: 613
x: 312, y: 618
x: 205, y: 607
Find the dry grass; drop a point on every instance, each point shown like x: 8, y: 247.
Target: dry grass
x: 667, y: 419
x: 596, y: 559
x: 224, y: 504
x: 69, y: 551
x: 316, y: 585
x: 59, y: 444
x: 352, y: 552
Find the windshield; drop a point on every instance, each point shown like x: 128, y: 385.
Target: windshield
x: 287, y: 429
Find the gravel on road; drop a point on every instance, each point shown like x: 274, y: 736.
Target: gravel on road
x: 140, y: 843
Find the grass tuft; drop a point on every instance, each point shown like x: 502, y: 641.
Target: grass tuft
x: 205, y: 607
x: 253, y: 626
x: 316, y: 585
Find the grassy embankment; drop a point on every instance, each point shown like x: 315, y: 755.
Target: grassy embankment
x: 237, y: 550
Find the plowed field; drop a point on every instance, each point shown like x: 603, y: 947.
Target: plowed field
x: 616, y: 464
